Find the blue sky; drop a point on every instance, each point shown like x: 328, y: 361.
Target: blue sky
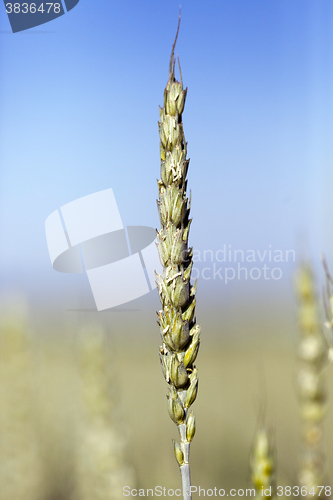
x: 79, y: 101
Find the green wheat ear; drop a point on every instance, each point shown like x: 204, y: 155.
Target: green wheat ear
x: 311, y: 385
x: 179, y: 332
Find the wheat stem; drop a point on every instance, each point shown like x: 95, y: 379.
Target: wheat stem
x: 186, y: 481
x: 179, y: 332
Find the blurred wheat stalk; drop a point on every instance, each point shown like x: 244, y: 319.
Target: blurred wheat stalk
x: 21, y: 475
x: 311, y: 384
x: 100, y: 461
x: 53, y: 444
x: 179, y: 332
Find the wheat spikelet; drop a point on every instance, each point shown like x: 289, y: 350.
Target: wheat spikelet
x: 311, y: 385
x: 20, y: 464
x: 179, y: 332
x: 101, y: 468
x: 262, y: 464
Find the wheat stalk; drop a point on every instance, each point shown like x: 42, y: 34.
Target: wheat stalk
x: 57, y: 409
x: 21, y: 471
x: 262, y: 464
x: 328, y: 305
x: 100, y: 459
x: 180, y: 334
x: 311, y: 384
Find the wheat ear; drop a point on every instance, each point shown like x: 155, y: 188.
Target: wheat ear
x: 311, y: 384
x: 180, y: 334
x: 262, y: 464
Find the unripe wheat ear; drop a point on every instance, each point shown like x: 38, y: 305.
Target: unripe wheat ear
x: 179, y: 331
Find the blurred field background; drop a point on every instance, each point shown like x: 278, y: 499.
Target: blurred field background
x: 60, y: 395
